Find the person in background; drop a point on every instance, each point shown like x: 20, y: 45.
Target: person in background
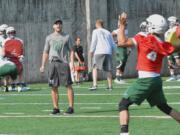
x: 121, y: 58
x: 79, y: 59
x: 173, y: 59
x: 101, y: 51
x: 58, y: 49
x: 14, y: 51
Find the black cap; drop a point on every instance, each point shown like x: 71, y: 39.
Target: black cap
x: 58, y: 21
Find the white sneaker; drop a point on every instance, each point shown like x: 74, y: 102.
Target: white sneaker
x: 171, y: 79
x: 10, y: 88
x: 124, y: 133
x: 21, y: 89
x: 93, y: 88
x: 116, y: 80
x: 119, y: 81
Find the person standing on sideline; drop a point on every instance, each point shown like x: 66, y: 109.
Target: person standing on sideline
x: 101, y: 50
x: 151, y: 51
x: 58, y: 49
x: 79, y: 58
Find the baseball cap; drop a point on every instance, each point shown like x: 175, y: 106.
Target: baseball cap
x: 58, y: 21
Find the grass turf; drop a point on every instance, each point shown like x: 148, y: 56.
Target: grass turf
x: 96, y: 112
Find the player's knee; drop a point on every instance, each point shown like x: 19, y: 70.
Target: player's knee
x: 165, y: 108
x: 124, y: 104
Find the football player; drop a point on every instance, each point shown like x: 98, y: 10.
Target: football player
x: 121, y: 57
x: 151, y: 50
x: 14, y: 51
x: 173, y: 59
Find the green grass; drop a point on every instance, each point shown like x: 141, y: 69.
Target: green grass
x: 96, y: 113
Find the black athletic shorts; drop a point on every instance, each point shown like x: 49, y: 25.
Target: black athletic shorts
x: 59, y: 74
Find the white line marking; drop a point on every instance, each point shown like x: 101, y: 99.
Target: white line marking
x: 51, y: 110
x: 94, y: 94
x: 172, y: 103
x: 171, y: 87
x: 13, y: 113
x: 82, y: 116
x: 103, y: 86
x: 90, y: 108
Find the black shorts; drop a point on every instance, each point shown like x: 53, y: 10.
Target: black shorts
x: 59, y: 74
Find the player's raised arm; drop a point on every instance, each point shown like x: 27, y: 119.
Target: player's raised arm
x: 123, y: 41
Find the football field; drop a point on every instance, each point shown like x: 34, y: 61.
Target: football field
x: 96, y: 112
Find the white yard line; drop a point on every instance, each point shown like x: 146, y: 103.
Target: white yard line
x: 13, y: 113
x: 81, y: 116
x: 90, y: 108
x: 172, y: 103
x: 103, y: 86
x: 81, y: 94
x: 51, y: 110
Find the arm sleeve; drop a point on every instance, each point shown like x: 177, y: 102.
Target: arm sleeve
x: 161, y: 47
x: 136, y: 39
x: 165, y: 48
x: 93, y: 42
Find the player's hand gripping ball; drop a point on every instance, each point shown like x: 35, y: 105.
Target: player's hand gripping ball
x: 123, y: 18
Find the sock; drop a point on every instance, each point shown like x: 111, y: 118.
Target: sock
x: 124, y: 128
x: 172, y: 73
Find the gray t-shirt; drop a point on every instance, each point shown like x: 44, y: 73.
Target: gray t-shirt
x: 58, y: 46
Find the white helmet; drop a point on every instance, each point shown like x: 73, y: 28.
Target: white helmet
x: 10, y: 29
x: 143, y: 26
x: 172, y: 21
x: 3, y: 27
x: 156, y: 24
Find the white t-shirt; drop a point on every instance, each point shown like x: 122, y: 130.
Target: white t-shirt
x: 102, y: 42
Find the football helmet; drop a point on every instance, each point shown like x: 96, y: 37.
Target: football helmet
x: 156, y: 24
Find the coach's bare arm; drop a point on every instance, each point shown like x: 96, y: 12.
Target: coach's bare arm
x: 72, y: 55
x: 123, y: 41
x: 45, y: 57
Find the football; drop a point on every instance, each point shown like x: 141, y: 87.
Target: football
x: 178, y: 31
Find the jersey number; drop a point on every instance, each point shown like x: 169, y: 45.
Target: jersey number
x: 152, y: 56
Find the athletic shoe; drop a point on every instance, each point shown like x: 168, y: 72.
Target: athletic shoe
x: 5, y: 89
x: 93, y: 88
x: 116, y: 80
x: 171, y: 79
x: 11, y: 88
x: 55, y: 111
x: 119, y: 81
x: 109, y: 88
x: 124, y: 133
x: 70, y: 110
